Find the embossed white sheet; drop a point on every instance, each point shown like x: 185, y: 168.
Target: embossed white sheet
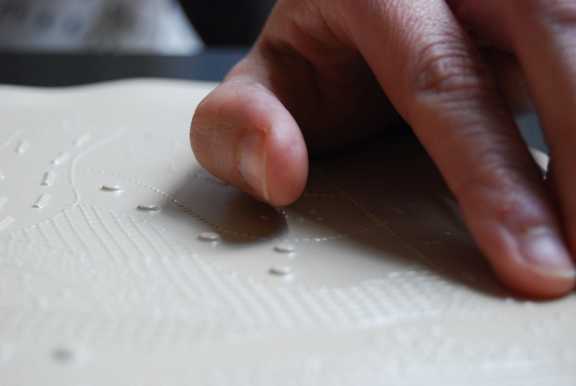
x: 122, y: 262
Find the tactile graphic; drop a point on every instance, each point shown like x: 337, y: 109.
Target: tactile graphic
x: 124, y: 263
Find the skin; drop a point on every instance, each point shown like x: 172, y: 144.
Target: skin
x: 324, y: 74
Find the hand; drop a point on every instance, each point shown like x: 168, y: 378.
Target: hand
x: 326, y: 73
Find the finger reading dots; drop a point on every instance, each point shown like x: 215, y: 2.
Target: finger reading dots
x: 283, y: 247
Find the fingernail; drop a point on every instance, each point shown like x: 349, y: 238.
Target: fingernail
x: 543, y: 251
x: 252, y: 162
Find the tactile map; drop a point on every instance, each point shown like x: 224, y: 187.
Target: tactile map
x: 123, y: 262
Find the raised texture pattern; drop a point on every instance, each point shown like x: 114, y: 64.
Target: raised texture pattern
x: 143, y: 269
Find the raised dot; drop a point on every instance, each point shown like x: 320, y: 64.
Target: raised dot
x: 111, y: 188
x: 42, y: 201
x: 62, y: 157
x: 285, y: 248
x: 49, y: 178
x: 149, y: 208
x: 82, y: 140
x: 22, y: 147
x: 209, y: 236
x: 281, y: 271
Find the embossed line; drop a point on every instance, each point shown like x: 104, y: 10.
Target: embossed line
x: 42, y: 201
x: 6, y: 223
x: 49, y: 178
x: 62, y: 157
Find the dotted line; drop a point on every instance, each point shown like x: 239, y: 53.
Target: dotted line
x: 181, y: 206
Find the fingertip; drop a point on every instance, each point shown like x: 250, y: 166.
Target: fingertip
x: 287, y: 169
x: 242, y: 134
x: 534, y: 263
x: 274, y: 168
x: 536, y: 284
x: 521, y: 237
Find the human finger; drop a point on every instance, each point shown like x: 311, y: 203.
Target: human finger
x: 443, y: 88
x: 243, y: 135
x: 544, y: 38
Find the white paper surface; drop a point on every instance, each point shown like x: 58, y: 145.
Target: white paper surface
x: 107, y: 274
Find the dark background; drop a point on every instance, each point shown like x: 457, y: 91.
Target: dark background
x: 227, y: 22
x: 227, y: 27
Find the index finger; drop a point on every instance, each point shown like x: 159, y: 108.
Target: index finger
x: 444, y: 89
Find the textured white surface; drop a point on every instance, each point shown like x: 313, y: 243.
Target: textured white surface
x: 139, y: 268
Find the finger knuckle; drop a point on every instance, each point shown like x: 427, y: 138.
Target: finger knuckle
x: 449, y: 69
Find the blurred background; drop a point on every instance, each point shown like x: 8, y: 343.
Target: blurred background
x: 162, y: 27
x: 70, y: 42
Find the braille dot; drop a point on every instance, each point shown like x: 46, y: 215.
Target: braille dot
x: 149, y: 208
x: 281, y: 271
x: 285, y: 248
x: 22, y: 147
x: 42, y: 201
x: 82, y: 140
x: 209, y: 236
x: 112, y: 188
x: 49, y: 178
x: 62, y: 157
